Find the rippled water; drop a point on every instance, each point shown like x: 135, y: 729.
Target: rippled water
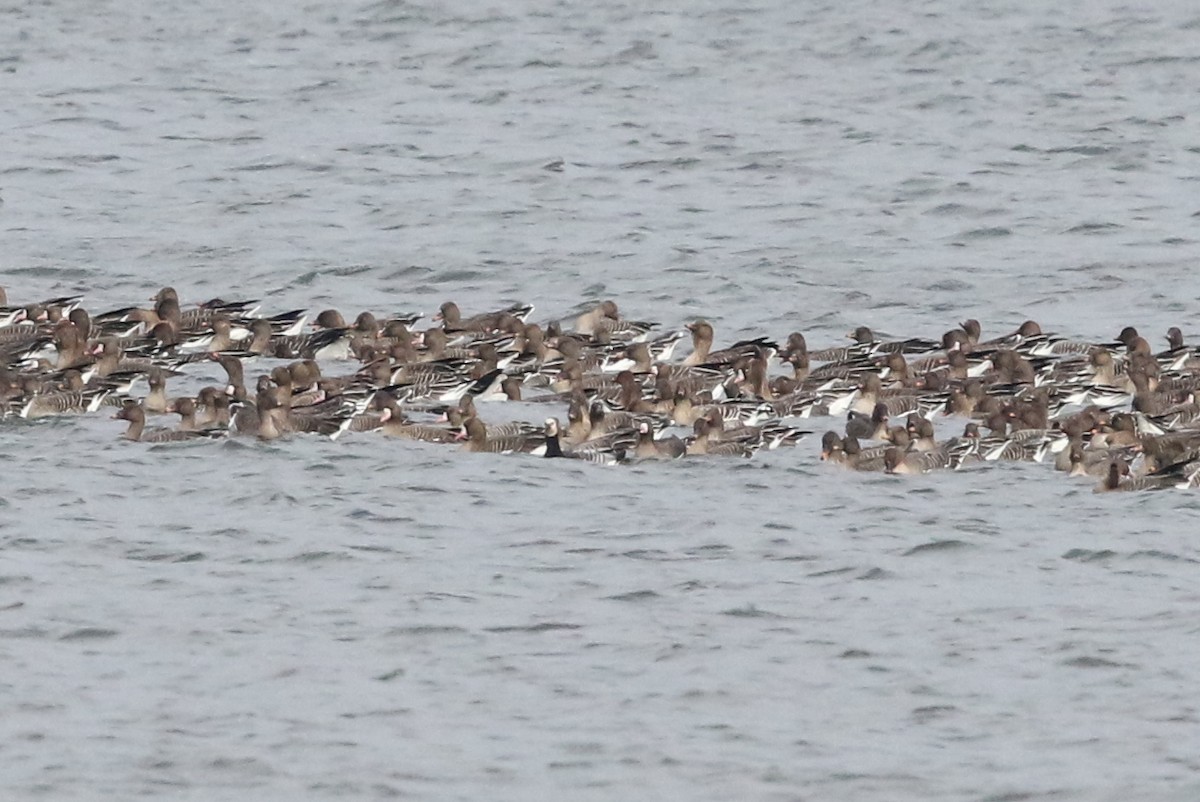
x: 365, y: 619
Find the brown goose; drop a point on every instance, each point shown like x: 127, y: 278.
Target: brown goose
x: 477, y: 440
x: 222, y: 339
x: 1087, y: 461
x: 327, y: 341
x: 1027, y: 330
x: 156, y: 400
x: 898, y: 401
x: 111, y: 356
x: 215, y: 406
x: 795, y: 353
x: 62, y: 402
x: 185, y: 408
x: 868, y: 427
x: 921, y: 433
x: 960, y: 402
x: 330, y: 417
x: 630, y: 398
x: 587, y: 323
x: 603, y: 421
x: 457, y: 416
x: 394, y: 424
x: 703, y: 442
x: 166, y: 310
x: 234, y: 372
x: 83, y: 321
x: 137, y: 431
x: 245, y: 413
x: 271, y: 417
x: 670, y: 447
x: 755, y: 376
x: 607, y: 452
x: 702, y: 353
x: 604, y: 324
x: 847, y: 453
x: 579, y: 422
x: 71, y: 346
x: 1119, y: 478
x: 901, y: 462
x: 260, y: 337
x: 452, y: 319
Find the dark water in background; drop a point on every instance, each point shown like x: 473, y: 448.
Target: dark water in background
x: 364, y: 619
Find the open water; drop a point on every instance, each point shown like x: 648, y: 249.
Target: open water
x: 368, y: 619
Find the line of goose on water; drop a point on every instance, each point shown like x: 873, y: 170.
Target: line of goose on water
x: 1118, y: 411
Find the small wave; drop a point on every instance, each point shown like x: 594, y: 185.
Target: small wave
x: 458, y: 276
x: 950, y: 285
x: 547, y: 626
x: 991, y: 232
x: 660, y: 163
x: 1088, y: 556
x: 635, y: 596
x: 89, y: 633
x: 923, y: 715
x: 412, y: 271
x: 391, y: 711
x: 938, y: 545
x: 750, y: 611
x: 1155, y: 554
x: 830, y: 572
x: 1084, y: 150
x: 648, y: 554
x: 258, y: 167
x: 1088, y: 661
x: 47, y: 271
x: 89, y: 158
x: 709, y: 548
x: 423, y: 630
x: 366, y: 515
x: 1093, y: 228
x: 388, y: 676
x: 536, y: 543
x: 240, y: 139
x: 640, y: 50
x: 426, y: 489
x: 317, y: 556
x: 24, y: 632
x: 111, y: 125
x: 979, y: 527
x: 166, y: 556
x: 1156, y: 60
x: 374, y: 549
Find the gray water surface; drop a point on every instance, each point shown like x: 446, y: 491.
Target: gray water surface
x: 366, y: 619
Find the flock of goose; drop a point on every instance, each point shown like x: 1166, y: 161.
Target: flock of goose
x: 1117, y: 411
